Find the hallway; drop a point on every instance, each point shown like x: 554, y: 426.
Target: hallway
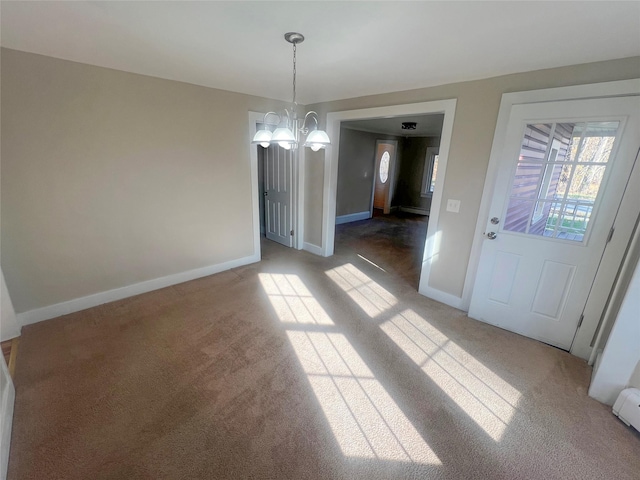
x: 393, y: 242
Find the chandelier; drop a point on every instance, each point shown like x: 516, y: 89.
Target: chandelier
x: 290, y: 127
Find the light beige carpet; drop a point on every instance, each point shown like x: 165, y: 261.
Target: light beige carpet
x: 302, y: 367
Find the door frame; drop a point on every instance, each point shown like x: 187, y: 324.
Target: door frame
x: 330, y: 187
x: 582, y: 342
x: 297, y: 184
x: 391, y: 179
x: 276, y: 159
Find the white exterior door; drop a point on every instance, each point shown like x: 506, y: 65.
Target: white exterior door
x: 278, y: 181
x: 563, y: 171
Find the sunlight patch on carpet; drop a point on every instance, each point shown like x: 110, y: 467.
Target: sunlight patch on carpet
x: 364, y: 418
x: 368, y: 294
x: 487, y: 399
x: 292, y: 301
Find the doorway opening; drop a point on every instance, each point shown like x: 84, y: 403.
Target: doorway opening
x: 562, y: 226
x: 277, y: 193
x: 431, y: 249
x: 386, y: 181
x: 385, y: 166
x: 275, y: 181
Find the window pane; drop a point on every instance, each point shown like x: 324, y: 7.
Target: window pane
x: 596, y: 149
x: 543, y: 217
x: 434, y: 172
x: 563, y: 181
x: 535, y: 141
x: 558, y: 176
x: 563, y: 134
x: 552, y: 213
x: 586, y: 181
x: 593, y: 142
x: 526, y: 180
x: 574, y: 220
x: 518, y: 214
x: 384, y: 167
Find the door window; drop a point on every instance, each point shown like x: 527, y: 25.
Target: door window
x: 557, y: 179
x: 384, y: 167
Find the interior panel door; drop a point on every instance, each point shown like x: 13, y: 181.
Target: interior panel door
x: 384, y: 173
x: 278, y: 194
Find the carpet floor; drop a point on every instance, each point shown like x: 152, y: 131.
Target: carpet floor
x: 301, y: 367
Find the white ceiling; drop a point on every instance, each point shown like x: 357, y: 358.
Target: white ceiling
x: 351, y: 48
x: 427, y: 125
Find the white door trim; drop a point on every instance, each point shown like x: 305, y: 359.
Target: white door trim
x: 596, y: 90
x: 254, y: 118
x: 297, y: 168
x: 298, y: 198
x: 448, y: 107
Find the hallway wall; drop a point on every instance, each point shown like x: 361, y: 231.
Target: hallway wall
x: 356, y: 169
x: 411, y: 173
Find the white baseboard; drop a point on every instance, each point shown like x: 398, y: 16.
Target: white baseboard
x: 312, y: 248
x: 77, y: 304
x: 417, y: 211
x: 442, y: 297
x: 353, y: 217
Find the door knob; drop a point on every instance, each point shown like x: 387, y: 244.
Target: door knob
x: 495, y: 220
x: 491, y: 235
x: 265, y: 194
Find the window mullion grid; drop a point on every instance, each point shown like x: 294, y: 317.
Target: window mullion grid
x: 589, y: 202
x: 545, y: 162
x: 574, y: 164
x: 531, y: 212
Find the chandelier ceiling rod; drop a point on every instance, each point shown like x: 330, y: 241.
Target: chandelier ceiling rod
x: 294, y: 38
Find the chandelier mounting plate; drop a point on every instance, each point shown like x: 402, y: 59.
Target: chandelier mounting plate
x: 294, y: 37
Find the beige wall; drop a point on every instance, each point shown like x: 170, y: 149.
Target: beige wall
x: 313, y: 184
x: 473, y: 129
x: 111, y: 178
x: 356, y: 169
x: 409, y: 191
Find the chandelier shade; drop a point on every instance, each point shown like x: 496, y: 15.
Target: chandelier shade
x: 317, y: 139
x: 262, y: 138
x: 290, y: 127
x: 283, y: 134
